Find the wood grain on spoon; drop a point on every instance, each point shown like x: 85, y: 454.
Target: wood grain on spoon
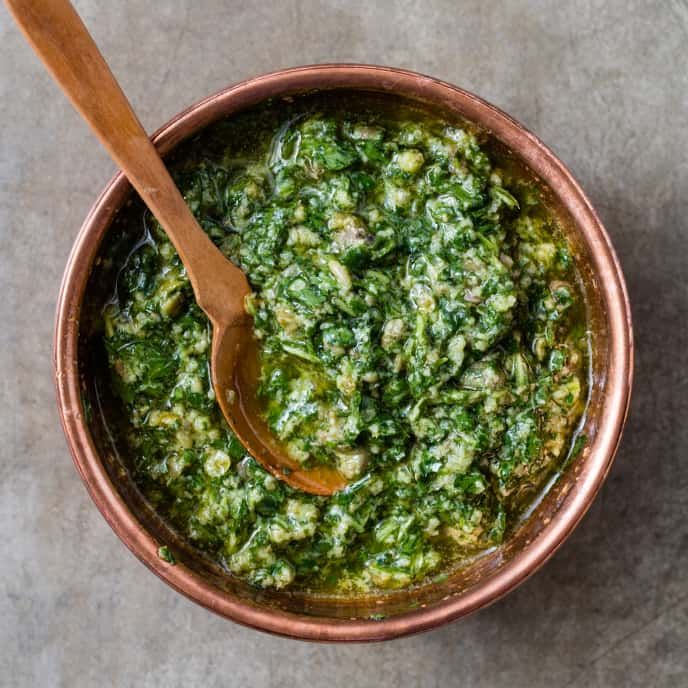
x: 61, y: 40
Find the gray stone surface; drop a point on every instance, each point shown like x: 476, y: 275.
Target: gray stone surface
x: 606, y: 84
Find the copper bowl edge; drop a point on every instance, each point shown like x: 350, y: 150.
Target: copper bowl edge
x: 612, y: 415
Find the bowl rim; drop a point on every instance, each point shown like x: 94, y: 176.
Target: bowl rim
x: 613, y: 414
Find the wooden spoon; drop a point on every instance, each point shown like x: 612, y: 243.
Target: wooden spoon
x: 59, y: 37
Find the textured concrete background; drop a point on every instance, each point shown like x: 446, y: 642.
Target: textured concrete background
x: 605, y: 83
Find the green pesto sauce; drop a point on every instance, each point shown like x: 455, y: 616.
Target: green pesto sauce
x: 421, y: 328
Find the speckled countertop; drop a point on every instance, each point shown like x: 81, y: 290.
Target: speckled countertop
x: 605, y: 83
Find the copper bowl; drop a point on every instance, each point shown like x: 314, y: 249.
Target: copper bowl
x: 389, y: 615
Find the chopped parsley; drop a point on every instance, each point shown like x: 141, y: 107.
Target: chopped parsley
x: 421, y: 328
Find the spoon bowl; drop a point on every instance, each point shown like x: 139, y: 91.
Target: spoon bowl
x: 235, y: 372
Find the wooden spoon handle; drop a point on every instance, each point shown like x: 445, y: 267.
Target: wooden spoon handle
x: 59, y: 37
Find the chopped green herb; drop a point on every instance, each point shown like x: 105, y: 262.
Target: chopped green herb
x: 419, y: 317
x: 166, y: 555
